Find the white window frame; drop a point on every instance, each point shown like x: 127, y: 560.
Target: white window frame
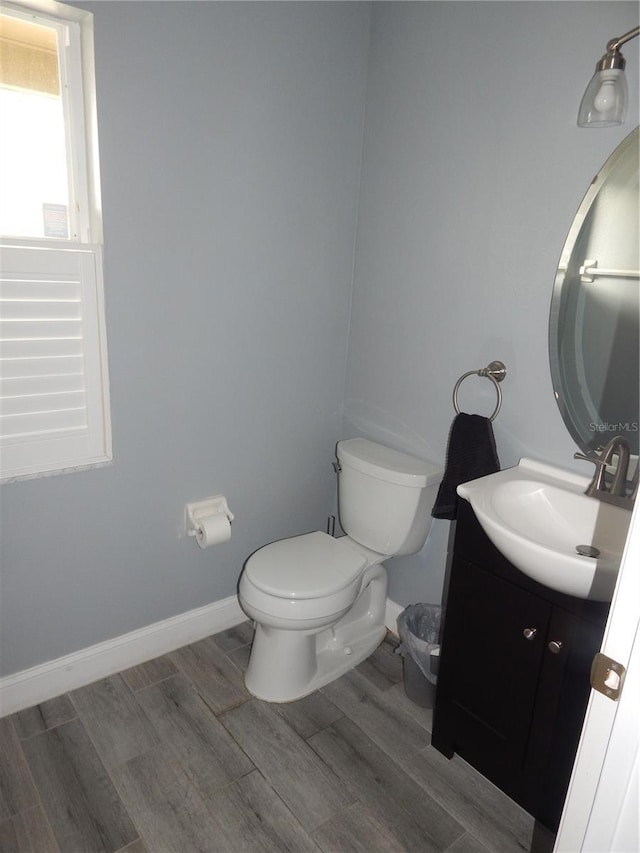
x: 45, y: 452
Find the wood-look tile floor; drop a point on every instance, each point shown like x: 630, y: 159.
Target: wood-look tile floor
x: 174, y: 756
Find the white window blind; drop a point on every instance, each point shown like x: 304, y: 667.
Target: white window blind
x: 53, y: 385
x: 54, y: 392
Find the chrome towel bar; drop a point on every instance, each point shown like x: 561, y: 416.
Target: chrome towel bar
x: 590, y: 270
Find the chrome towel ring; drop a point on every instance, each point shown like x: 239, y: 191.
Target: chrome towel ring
x: 496, y: 371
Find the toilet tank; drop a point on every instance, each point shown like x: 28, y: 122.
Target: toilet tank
x: 385, y: 496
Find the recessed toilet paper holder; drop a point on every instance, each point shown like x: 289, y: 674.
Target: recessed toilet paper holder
x: 197, y: 511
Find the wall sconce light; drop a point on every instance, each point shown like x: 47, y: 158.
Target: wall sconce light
x: 605, y: 101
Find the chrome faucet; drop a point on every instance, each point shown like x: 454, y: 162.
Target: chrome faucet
x: 611, y: 490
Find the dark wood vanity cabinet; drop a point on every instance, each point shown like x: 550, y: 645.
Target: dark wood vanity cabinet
x: 513, y: 683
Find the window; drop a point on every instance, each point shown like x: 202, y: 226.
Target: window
x: 54, y: 411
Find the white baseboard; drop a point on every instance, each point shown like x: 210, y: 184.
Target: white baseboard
x: 48, y: 680
x: 391, y: 615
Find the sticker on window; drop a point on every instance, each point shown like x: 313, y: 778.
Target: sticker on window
x: 55, y: 220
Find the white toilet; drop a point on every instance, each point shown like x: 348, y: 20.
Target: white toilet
x: 319, y: 602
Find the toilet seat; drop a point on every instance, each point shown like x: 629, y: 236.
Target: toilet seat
x: 311, y: 566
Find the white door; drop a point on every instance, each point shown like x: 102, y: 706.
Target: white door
x: 601, y: 810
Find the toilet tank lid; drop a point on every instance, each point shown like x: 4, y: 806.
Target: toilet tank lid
x: 387, y: 464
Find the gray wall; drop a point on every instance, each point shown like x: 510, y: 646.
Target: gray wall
x: 473, y: 168
x: 231, y: 137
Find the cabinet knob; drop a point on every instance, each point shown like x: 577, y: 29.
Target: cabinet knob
x: 529, y: 633
x: 555, y: 646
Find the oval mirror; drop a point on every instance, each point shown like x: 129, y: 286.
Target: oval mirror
x: 594, y: 344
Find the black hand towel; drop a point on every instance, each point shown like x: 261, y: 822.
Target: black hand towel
x: 471, y: 453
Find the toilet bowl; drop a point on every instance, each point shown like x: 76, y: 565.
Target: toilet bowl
x: 303, y: 639
x: 318, y: 602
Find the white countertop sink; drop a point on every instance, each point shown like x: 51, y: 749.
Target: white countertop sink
x: 536, y: 515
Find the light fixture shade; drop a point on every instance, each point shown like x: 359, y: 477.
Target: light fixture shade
x: 604, y: 103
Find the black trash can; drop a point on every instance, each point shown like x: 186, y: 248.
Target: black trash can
x: 419, y: 632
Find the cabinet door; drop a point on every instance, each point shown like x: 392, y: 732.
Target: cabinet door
x: 563, y: 694
x: 492, y: 650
